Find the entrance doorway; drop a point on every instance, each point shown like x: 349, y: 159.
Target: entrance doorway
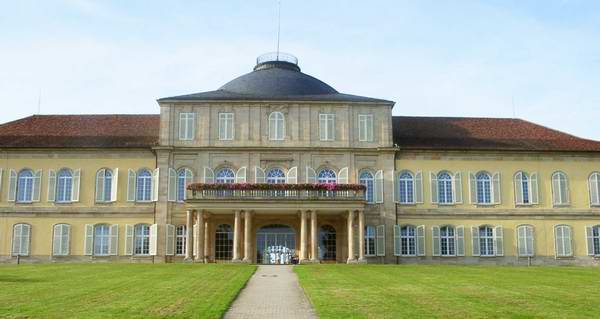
x: 327, y: 243
x: 275, y: 245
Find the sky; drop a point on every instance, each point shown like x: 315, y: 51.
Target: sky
x: 535, y: 60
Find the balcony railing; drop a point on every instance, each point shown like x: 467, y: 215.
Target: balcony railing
x: 346, y: 192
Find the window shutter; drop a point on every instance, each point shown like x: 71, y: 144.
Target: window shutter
x: 472, y: 190
x: 51, y: 185
x: 12, y: 185
x: 497, y: 188
x: 418, y: 187
x: 380, y: 240
x: 498, y: 241
x: 567, y: 191
x: 170, y: 240
x: 115, y: 185
x: 555, y: 190
x: 397, y: 244
x: 37, y: 185
x: 568, y: 241
x: 172, y: 185
x: 558, y: 241
x: 16, y: 239
x: 209, y: 175
x: 475, y: 240
x: 311, y: 175
x: 519, y: 188
x: 421, y: 240
x: 460, y: 240
x: 56, y: 240
x: 433, y: 184
x: 435, y: 240
x: 128, y: 240
x: 534, y: 187
x: 76, y: 185
x: 522, y: 240
x: 155, y: 184
x: 240, y: 175
x: 131, y: 181
x: 25, y: 238
x: 88, y: 243
x: 590, y: 240
x: 1, y: 171
x: 594, y: 181
x: 292, y: 175
x: 113, y: 246
x: 530, y: 240
x: 100, y: 185
x: 395, y: 186
x: 378, y: 186
x: 457, y: 188
x: 153, y: 239
x: 259, y: 175
x: 343, y: 176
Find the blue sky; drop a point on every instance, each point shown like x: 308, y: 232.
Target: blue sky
x: 434, y: 58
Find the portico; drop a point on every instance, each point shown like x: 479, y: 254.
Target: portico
x: 316, y: 230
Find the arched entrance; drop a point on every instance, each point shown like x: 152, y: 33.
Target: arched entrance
x: 327, y: 243
x: 275, y: 244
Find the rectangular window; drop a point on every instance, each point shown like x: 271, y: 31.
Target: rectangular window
x: 327, y: 127
x: 187, y: 124
x: 365, y: 127
x: 226, y: 126
x: 370, y: 240
x: 180, y: 240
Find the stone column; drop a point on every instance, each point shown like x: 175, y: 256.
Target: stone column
x: 189, y: 236
x: 351, y: 237
x: 313, y: 236
x: 236, y: 236
x: 248, y: 237
x: 206, y: 239
x: 200, y: 238
x: 303, y: 237
x: 361, y: 236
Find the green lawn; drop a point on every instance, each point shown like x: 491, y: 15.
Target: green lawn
x: 119, y: 290
x: 434, y: 291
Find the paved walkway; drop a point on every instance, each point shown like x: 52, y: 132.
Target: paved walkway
x: 272, y: 292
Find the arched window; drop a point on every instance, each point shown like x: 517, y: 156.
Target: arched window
x: 275, y: 176
x: 525, y: 240
x: 408, y: 241
x: 327, y: 176
x: 60, y: 240
x: 366, y: 178
x: 276, y: 126
x: 522, y: 187
x: 144, y: 186
x: 484, y: 188
x: 406, y: 188
x: 21, y: 239
x: 560, y: 188
x: 562, y: 237
x: 104, y: 185
x: 370, y: 240
x: 486, y: 241
x: 594, y: 186
x: 25, y: 186
x: 225, y: 176
x: 64, y: 185
x: 101, y: 239
x: 141, y: 239
x: 184, y: 177
x: 447, y: 241
x: 445, y: 192
x: 180, y: 239
x: 224, y: 242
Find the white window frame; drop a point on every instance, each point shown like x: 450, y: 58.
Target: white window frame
x: 408, y: 190
x: 27, y: 185
x: 408, y: 238
x: 182, y: 238
x: 370, y: 237
x: 561, y: 190
x: 276, y: 126
x: 187, y: 126
x: 447, y: 201
x: 226, y: 126
x: 525, y: 241
x: 105, y: 237
x: 327, y: 126
x: 144, y: 237
x: 450, y: 240
x: 565, y: 242
x: 488, y: 240
x: 365, y: 127
x: 490, y: 190
x: 60, y: 239
x: 138, y: 178
x: 24, y: 242
x: 594, y: 189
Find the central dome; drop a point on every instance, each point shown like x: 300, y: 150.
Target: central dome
x: 277, y: 74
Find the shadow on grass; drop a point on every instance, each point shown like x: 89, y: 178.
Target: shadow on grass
x: 4, y: 278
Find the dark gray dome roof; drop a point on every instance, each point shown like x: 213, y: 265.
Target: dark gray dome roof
x: 275, y: 80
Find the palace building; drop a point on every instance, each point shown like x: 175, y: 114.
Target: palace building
x: 277, y: 166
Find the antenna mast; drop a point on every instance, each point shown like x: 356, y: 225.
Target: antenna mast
x: 278, y: 26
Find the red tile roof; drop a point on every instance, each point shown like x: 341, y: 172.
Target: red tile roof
x: 460, y: 133
x: 81, y: 131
